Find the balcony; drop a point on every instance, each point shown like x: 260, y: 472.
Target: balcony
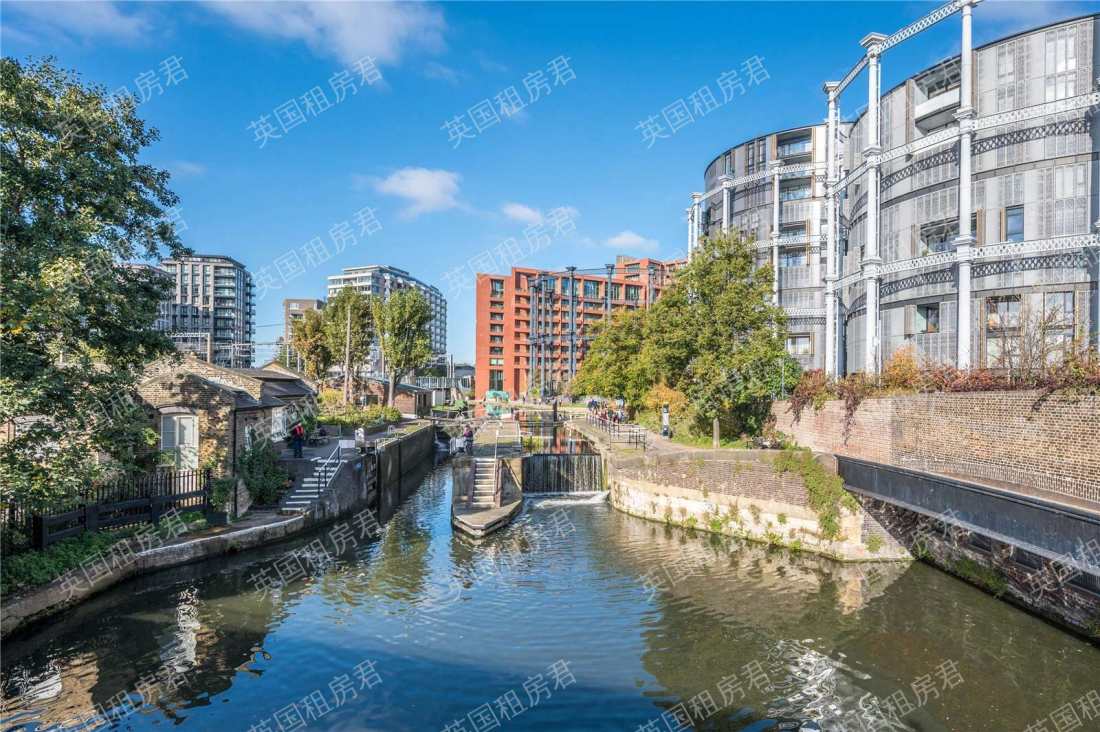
x: 937, y: 111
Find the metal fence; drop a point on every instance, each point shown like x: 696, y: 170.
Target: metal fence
x: 106, y: 506
x: 630, y: 434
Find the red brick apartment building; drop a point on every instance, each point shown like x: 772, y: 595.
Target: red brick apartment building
x: 531, y: 330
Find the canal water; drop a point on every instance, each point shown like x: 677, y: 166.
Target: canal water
x: 576, y: 617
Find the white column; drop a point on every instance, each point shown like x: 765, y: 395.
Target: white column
x: 965, y: 240
x: 690, y: 210
x: 871, y: 258
x: 830, y: 234
x: 773, y: 170
x: 695, y: 219
x: 726, y: 191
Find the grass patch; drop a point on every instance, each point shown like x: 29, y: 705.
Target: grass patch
x: 33, y: 568
x: 825, y: 490
x: 874, y: 543
x: 981, y: 575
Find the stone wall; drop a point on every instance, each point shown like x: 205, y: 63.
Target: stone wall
x: 397, y: 457
x: 1018, y: 437
x: 1053, y: 589
x: 739, y: 493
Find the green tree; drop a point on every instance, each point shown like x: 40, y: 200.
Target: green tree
x: 612, y: 366
x: 714, y: 336
x: 402, y: 324
x: 309, y: 341
x: 347, y: 311
x: 77, y: 204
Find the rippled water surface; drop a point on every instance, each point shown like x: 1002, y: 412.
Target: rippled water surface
x: 605, y: 620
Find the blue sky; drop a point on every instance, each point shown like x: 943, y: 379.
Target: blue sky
x: 446, y: 210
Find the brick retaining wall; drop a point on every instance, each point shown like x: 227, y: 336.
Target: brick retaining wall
x: 1049, y: 442
x: 738, y: 492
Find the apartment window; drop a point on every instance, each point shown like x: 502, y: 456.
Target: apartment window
x: 496, y: 351
x: 592, y: 289
x: 616, y: 291
x: 1058, y: 324
x: 1014, y: 223
x: 938, y: 236
x: 792, y: 231
x: 633, y: 292
x: 496, y: 380
x: 797, y: 146
x: 496, y: 288
x: 496, y: 303
x: 496, y: 316
x: 793, y: 258
x: 800, y: 344
x: 496, y: 339
x: 496, y: 328
x: 1061, y: 64
x: 794, y: 191
x: 928, y: 318
x: 1002, y: 334
x: 496, y: 361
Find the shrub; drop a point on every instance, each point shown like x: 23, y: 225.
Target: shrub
x: 221, y: 492
x: 901, y: 371
x: 813, y: 388
x: 259, y: 468
x: 853, y: 390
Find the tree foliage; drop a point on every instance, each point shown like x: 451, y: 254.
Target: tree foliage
x: 715, y: 336
x: 402, y: 324
x: 346, y: 303
x: 77, y: 204
x: 309, y: 341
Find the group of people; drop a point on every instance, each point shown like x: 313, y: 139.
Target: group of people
x: 612, y: 413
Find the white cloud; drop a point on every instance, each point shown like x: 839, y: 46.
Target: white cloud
x: 81, y: 19
x: 439, y: 72
x: 633, y: 241
x: 521, y: 213
x: 425, y: 190
x: 186, y: 167
x: 347, y: 31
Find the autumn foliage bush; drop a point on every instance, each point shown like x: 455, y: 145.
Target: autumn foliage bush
x: 1078, y: 373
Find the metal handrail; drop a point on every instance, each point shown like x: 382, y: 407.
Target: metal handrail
x: 632, y: 434
x: 326, y: 464
x: 496, y: 470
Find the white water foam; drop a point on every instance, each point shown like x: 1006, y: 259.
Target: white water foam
x: 554, y: 500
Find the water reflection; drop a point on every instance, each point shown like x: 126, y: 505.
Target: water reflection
x: 651, y: 619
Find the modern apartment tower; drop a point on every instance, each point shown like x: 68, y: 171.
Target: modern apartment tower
x: 211, y: 309
x: 772, y: 189
x: 533, y: 326
x: 961, y: 212
x: 379, y: 280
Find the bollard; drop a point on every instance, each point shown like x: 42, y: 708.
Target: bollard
x: 714, y: 438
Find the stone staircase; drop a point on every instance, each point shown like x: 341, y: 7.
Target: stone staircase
x: 484, y: 483
x: 311, y: 486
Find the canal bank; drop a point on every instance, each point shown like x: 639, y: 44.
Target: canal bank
x: 356, y: 484
x: 770, y: 496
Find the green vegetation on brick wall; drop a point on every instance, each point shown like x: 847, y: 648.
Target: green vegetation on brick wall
x: 825, y: 490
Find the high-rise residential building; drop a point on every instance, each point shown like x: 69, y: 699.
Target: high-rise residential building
x: 533, y: 326
x: 957, y: 214
x: 294, y: 309
x: 211, y: 309
x: 379, y: 280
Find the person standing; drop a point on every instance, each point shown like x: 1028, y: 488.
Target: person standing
x: 297, y: 438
